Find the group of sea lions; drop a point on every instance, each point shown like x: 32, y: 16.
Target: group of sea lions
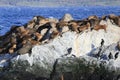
x: 39, y: 30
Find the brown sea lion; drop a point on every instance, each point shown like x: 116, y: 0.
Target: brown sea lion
x: 104, y: 17
x: 22, y: 31
x: 94, y: 22
x: 13, y: 40
x: 73, y: 26
x: 62, y: 26
x: 38, y: 36
x: 43, y: 21
x: 34, y: 42
x: 62, y: 23
x: 12, y: 48
x: 54, y: 31
x: 30, y: 24
x: 54, y: 34
x: 11, y: 51
x: 45, y: 26
x: 84, y: 27
x: 38, y: 18
x: 93, y: 17
x: 25, y: 49
x: 97, y: 27
x: 39, y: 21
x: 24, y: 42
x: 114, y: 19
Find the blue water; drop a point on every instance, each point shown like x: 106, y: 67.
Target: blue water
x: 20, y: 15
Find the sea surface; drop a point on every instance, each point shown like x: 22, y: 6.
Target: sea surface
x: 20, y: 15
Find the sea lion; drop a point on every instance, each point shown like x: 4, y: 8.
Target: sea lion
x: 30, y: 24
x: 84, y: 27
x: 12, y: 48
x: 37, y: 19
x: 11, y: 51
x: 104, y: 17
x: 45, y: 26
x: 54, y: 31
x: 43, y: 21
x: 62, y: 26
x: 13, y: 29
x: 37, y: 36
x: 46, y: 37
x: 43, y: 31
x: 73, y: 26
x: 25, y: 49
x: 23, y: 41
x: 82, y: 22
x: 93, y: 23
x: 13, y: 40
x: 54, y: 34
x: 97, y: 27
x: 34, y: 42
x: 93, y: 17
x: 114, y: 19
x: 22, y: 31
x: 62, y: 23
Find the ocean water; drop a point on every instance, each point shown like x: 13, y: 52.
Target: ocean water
x: 20, y: 15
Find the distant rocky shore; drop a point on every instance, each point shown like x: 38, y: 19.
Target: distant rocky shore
x: 41, y: 46
x: 58, y: 3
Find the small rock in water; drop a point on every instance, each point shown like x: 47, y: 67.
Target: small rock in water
x: 67, y: 17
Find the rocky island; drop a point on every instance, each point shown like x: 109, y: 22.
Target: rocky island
x: 64, y: 49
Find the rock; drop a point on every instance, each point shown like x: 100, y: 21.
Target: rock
x: 67, y: 17
x: 43, y: 57
x: 85, y: 68
x: 52, y: 60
